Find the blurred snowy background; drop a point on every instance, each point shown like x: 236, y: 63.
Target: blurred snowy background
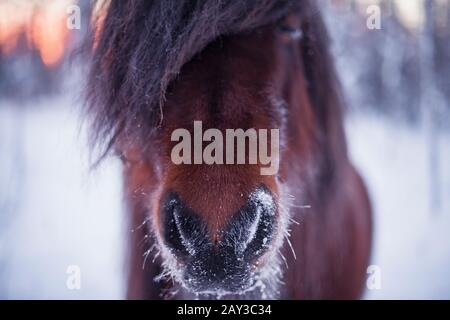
x: 56, y: 213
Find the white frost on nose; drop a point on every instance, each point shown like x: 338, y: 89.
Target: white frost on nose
x: 187, y: 244
x: 253, y: 227
x: 263, y: 199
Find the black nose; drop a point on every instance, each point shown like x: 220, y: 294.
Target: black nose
x: 184, y: 232
x: 250, y: 231
x: 225, y: 264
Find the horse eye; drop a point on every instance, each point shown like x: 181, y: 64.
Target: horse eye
x: 290, y: 27
x: 290, y: 33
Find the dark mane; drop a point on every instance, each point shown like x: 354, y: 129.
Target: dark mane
x: 142, y: 45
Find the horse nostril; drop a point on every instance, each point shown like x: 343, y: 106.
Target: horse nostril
x: 183, y: 231
x: 252, y: 229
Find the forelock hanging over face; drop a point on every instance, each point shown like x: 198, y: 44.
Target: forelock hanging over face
x: 142, y: 45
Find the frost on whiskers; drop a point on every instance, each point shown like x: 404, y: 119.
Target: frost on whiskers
x: 264, y: 273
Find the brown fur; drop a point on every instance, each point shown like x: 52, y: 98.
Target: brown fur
x: 249, y: 77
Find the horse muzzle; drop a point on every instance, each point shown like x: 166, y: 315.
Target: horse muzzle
x: 225, y: 263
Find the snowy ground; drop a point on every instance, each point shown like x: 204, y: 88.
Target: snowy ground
x: 55, y: 213
x: 412, y: 241
x: 61, y: 214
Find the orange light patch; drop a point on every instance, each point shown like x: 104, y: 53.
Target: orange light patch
x: 44, y: 24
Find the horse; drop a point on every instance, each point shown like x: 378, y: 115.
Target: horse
x: 227, y: 231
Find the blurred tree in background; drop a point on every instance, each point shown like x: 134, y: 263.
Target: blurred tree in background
x: 389, y: 70
x: 36, y: 46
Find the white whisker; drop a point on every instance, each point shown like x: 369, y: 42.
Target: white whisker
x: 143, y: 240
x: 307, y: 206
x: 290, y: 245
x: 283, y: 258
x: 156, y: 256
x: 141, y: 225
x: 145, y: 258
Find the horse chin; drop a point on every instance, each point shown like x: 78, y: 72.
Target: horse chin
x: 261, y: 283
x: 250, y: 287
x: 237, y: 289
